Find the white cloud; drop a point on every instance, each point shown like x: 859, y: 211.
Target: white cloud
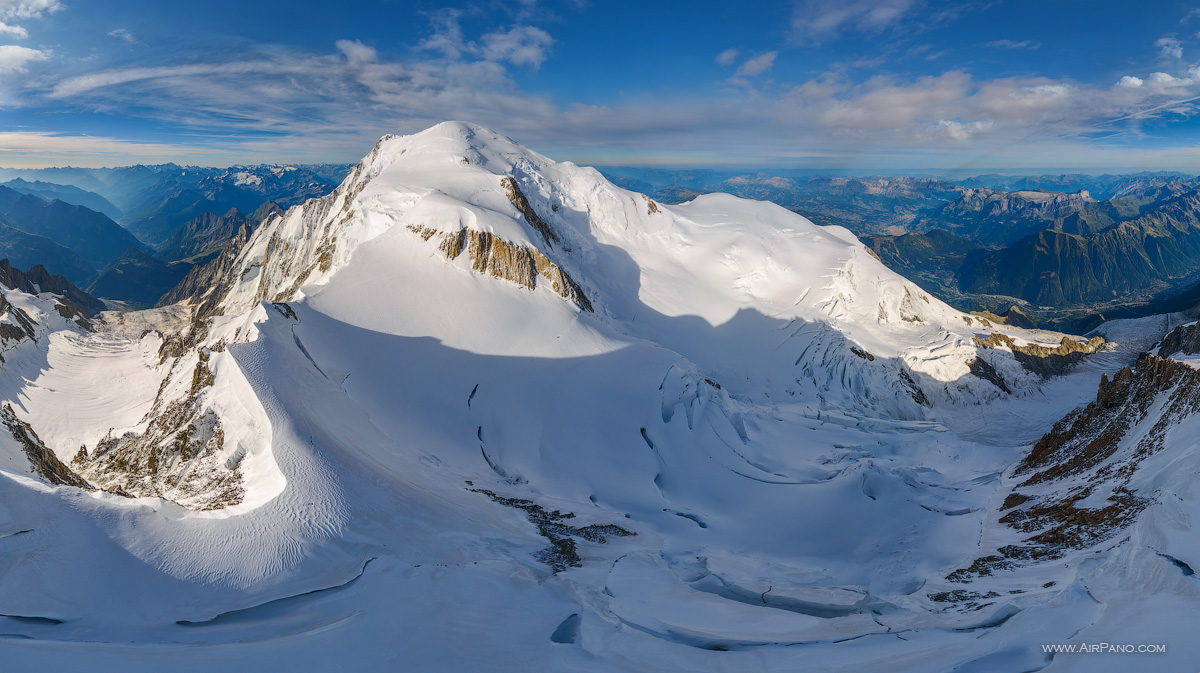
x: 12, y: 11
x: 27, y: 9
x: 727, y: 57
x: 813, y: 20
x: 123, y: 34
x: 13, y: 59
x: 1013, y: 44
x: 447, y: 36
x: 35, y: 149
x: 757, y: 65
x: 356, y: 52
x: 521, y: 45
x: 16, y: 31
x: 1129, y: 81
x: 958, y: 131
x: 1170, y: 48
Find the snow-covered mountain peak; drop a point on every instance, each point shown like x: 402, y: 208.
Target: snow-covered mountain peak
x: 444, y: 214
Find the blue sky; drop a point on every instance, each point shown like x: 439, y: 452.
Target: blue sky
x: 884, y: 84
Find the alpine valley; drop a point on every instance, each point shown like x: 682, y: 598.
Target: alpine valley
x: 476, y: 410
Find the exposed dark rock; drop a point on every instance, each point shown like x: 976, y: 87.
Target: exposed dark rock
x: 862, y: 353
x: 285, y: 310
x: 1080, y: 454
x: 1043, y: 360
x: 914, y: 390
x: 1184, y: 339
x: 24, y: 327
x: 43, y: 460
x: 562, y: 552
x: 177, y: 457
x: 522, y: 204
x: 984, y: 370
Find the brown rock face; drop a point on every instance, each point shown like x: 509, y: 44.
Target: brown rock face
x: 515, y: 263
x: 1042, y: 360
x: 522, y: 204
x: 1015, y: 317
x: 1092, y: 450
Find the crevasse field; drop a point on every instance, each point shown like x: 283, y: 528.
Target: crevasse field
x: 480, y: 411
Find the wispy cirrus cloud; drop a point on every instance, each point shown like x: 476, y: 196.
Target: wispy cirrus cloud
x: 1013, y: 44
x: 20, y: 149
x: 124, y: 35
x: 521, y: 45
x: 815, y: 20
x: 757, y: 65
x: 318, y: 102
x: 727, y: 57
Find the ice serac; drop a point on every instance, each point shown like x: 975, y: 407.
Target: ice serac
x: 472, y: 382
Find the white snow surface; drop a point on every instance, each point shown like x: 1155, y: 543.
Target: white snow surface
x: 746, y: 399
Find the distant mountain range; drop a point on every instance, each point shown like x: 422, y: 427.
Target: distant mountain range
x: 142, y: 278
x: 153, y: 200
x: 131, y: 233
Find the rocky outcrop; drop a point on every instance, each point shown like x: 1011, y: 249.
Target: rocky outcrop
x: 1094, y: 451
x: 562, y: 552
x: 41, y: 458
x: 518, y: 264
x: 1184, y: 339
x: 1014, y: 317
x: 984, y: 370
x: 18, y: 326
x: 177, y: 457
x: 522, y: 204
x: 1090, y: 435
x: 1043, y: 360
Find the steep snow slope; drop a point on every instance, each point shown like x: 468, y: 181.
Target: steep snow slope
x: 479, y: 410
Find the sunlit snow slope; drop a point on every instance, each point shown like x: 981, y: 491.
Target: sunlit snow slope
x: 478, y: 410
